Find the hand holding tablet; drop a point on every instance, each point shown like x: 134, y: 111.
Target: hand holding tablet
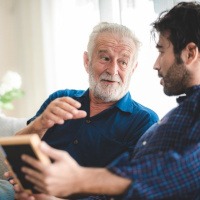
x: 13, y: 147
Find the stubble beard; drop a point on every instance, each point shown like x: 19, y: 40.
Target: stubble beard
x: 177, y: 79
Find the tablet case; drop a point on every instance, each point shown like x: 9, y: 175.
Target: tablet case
x: 13, y: 147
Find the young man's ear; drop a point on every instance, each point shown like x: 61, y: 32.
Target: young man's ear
x: 192, y: 53
x: 86, y: 61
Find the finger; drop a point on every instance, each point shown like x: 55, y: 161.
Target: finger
x: 33, y: 176
x: 38, y: 184
x: 71, y: 101
x: 41, y: 189
x: 45, y: 197
x: 80, y: 114
x: 8, y: 174
x: 24, y: 196
x: 67, y: 104
x: 57, y: 113
x: 12, y: 181
x: 51, y: 152
x: 33, y: 162
x: 10, y: 178
x: 49, y: 119
x: 64, y: 111
x: 17, y: 188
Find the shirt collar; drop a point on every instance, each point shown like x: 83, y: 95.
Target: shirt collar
x: 125, y: 103
x: 82, y: 96
x: 188, y: 92
x: 82, y: 93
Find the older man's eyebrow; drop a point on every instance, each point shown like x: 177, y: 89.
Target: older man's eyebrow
x: 103, y: 51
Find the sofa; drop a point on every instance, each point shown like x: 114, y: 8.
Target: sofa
x: 8, y: 127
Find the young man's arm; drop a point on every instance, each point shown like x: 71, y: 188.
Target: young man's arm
x: 168, y: 175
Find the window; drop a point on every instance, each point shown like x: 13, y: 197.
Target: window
x: 72, y: 24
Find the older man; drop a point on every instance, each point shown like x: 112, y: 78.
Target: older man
x: 97, y: 125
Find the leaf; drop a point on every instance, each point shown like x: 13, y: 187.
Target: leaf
x: 7, y: 99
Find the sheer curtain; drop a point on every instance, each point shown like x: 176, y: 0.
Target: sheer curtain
x: 145, y: 85
x: 21, y: 50
x: 65, y: 40
x: 45, y: 40
x: 72, y: 21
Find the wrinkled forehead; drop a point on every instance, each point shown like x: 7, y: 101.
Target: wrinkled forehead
x: 115, y: 42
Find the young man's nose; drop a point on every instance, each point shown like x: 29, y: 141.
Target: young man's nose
x: 156, y: 65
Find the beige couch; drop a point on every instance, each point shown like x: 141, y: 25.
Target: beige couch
x: 9, y: 126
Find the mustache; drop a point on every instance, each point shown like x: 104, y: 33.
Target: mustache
x: 108, y: 77
x: 160, y: 75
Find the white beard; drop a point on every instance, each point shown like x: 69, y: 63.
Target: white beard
x: 107, y: 92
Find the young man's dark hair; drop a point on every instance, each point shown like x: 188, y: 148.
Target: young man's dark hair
x: 182, y: 22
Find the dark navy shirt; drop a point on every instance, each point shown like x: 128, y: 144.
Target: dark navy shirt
x: 97, y: 140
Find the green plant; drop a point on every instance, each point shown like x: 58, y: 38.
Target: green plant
x: 10, y: 89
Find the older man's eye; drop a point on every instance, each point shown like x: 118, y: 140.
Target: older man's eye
x: 123, y: 64
x: 105, y: 58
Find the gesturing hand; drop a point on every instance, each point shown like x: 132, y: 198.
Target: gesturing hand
x: 57, y: 112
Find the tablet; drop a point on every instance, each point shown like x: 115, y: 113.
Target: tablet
x: 13, y: 147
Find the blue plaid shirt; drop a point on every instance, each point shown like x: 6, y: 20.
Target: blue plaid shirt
x: 165, y: 163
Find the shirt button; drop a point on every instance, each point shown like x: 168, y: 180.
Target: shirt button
x: 144, y: 143
x: 75, y: 141
x: 88, y: 121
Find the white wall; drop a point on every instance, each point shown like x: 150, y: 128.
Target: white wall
x: 21, y: 51
x: 43, y: 40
